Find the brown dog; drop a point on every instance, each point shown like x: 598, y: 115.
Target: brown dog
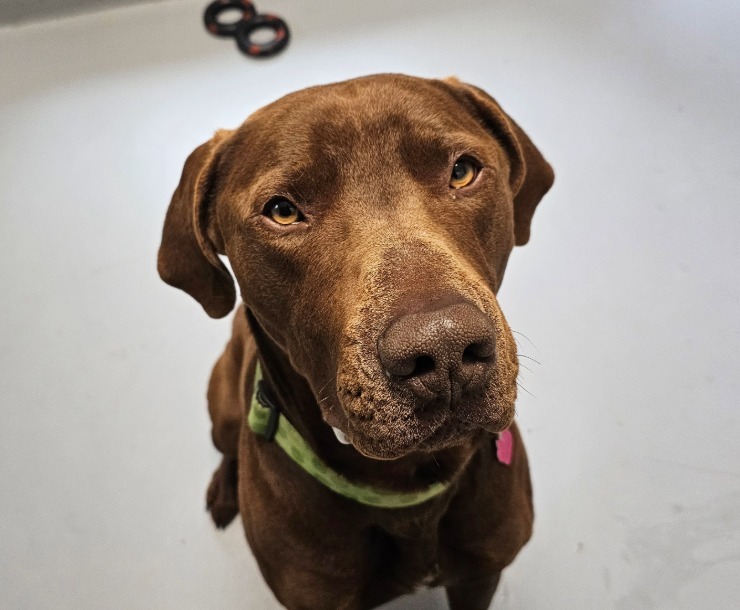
x: 368, y: 224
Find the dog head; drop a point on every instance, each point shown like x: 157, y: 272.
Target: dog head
x: 368, y: 224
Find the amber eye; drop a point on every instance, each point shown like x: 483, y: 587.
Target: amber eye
x: 463, y: 173
x: 283, y: 212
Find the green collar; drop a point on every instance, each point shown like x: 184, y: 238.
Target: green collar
x: 266, y: 420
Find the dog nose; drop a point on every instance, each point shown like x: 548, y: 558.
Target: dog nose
x: 438, y: 353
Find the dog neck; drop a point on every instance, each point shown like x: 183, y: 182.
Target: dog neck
x: 296, y: 401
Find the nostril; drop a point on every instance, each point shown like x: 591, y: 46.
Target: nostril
x: 422, y: 364
x: 411, y: 367
x: 477, y: 352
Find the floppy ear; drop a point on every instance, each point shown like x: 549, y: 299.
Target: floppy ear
x: 531, y: 176
x: 188, y: 258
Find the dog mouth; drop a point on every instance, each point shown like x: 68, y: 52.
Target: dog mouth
x: 389, y: 438
x: 447, y: 434
x: 442, y: 436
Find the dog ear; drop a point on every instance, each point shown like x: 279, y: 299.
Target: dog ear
x: 191, y: 241
x: 531, y: 176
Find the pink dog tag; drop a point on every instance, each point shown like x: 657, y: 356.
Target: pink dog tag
x: 505, y: 447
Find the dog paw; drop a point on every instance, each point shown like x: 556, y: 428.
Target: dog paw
x: 222, y: 499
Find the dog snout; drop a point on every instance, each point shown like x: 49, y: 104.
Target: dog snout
x: 438, y: 354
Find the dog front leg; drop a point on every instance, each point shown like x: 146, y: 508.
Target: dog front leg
x: 227, y: 393
x: 473, y: 594
x: 222, y: 499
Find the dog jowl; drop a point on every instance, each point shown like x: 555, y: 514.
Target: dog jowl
x: 368, y: 225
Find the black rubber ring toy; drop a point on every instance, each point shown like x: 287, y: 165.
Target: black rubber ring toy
x: 214, y: 9
x: 245, y: 28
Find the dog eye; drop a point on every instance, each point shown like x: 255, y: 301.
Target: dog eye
x: 463, y: 173
x: 283, y: 211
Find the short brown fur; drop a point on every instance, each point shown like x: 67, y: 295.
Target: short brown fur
x: 367, y: 163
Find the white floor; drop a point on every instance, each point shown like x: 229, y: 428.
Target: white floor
x: 628, y: 292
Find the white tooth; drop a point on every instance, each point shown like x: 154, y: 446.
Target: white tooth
x: 341, y: 436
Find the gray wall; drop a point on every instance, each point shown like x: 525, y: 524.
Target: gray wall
x: 17, y: 11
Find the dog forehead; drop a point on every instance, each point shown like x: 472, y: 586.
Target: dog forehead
x: 368, y: 96
x: 352, y: 130
x: 372, y: 112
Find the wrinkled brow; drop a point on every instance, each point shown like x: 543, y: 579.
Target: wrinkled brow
x: 314, y: 163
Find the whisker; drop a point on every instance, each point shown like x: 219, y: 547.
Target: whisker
x: 528, y: 339
x: 326, y: 385
x: 526, y: 390
x: 529, y: 358
x: 325, y: 398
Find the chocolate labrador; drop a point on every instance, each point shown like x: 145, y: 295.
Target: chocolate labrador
x: 364, y: 405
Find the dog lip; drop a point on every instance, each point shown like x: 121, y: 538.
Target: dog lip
x: 367, y: 445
